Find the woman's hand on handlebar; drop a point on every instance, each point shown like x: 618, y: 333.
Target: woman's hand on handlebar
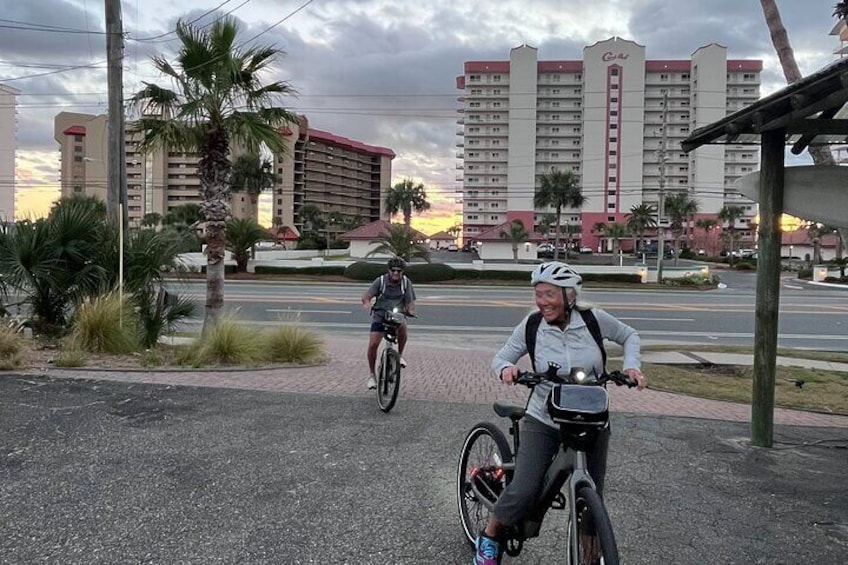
x: 509, y: 374
x: 637, y: 377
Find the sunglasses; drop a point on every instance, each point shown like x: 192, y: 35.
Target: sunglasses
x: 396, y: 270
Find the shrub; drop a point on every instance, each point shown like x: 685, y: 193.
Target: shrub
x: 365, y: 271
x: 805, y: 273
x: 291, y: 344
x: 430, y: 272
x: 13, y: 349
x: 696, y: 280
x: 103, y: 324
x: 322, y: 270
x: 229, y: 343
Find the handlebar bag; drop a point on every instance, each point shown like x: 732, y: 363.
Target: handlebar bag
x: 579, y: 405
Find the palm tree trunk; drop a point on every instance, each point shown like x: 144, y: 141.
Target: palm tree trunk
x: 214, y: 170
x: 556, y: 233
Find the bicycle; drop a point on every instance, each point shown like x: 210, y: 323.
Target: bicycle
x: 388, y: 371
x: 486, y: 466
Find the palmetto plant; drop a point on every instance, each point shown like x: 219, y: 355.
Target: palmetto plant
x: 516, y: 235
x: 54, y: 263
x: 242, y: 235
x: 616, y: 232
x: 407, y: 197
x: 559, y: 189
x: 399, y: 240
x: 218, y: 100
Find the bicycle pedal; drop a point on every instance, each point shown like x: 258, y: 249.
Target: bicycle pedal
x: 559, y: 502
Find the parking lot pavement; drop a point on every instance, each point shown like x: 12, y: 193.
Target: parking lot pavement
x: 102, y: 472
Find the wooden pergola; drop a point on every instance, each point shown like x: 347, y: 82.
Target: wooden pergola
x: 801, y: 115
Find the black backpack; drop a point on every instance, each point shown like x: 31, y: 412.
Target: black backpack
x: 532, y: 328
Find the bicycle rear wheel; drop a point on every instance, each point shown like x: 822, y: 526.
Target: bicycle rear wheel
x: 388, y: 379
x: 481, y: 460
x: 595, y: 538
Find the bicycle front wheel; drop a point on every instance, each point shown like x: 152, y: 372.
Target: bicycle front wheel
x: 388, y: 379
x: 480, y: 478
x: 592, y: 531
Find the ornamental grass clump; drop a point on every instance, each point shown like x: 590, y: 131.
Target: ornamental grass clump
x: 292, y: 344
x: 103, y: 324
x: 229, y: 342
x: 13, y: 349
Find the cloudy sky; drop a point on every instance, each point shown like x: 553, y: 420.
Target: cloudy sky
x: 378, y: 71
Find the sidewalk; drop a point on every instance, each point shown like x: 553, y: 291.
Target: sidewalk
x: 459, y: 372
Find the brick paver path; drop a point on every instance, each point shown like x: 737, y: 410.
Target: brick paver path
x: 448, y: 372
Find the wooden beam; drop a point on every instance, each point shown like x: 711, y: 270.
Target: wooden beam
x: 771, y: 196
x: 833, y: 100
x: 818, y: 126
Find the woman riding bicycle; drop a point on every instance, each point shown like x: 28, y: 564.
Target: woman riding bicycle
x: 565, y: 339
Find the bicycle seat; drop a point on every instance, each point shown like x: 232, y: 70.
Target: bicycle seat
x: 506, y: 410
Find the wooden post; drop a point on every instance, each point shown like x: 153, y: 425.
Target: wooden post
x: 768, y: 287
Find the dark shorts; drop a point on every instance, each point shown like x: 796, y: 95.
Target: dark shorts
x: 378, y: 327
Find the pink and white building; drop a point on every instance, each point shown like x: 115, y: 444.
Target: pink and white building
x: 601, y: 117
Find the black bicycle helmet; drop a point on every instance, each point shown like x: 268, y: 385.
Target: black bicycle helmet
x: 397, y: 263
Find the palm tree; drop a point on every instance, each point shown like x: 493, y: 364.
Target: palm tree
x: 516, y: 235
x: 729, y: 215
x: 708, y: 224
x: 219, y: 100
x: 640, y: 219
x: 151, y: 220
x: 399, y: 241
x: 242, y: 235
x: 679, y: 207
x: 815, y: 232
x: 406, y: 197
x: 558, y: 189
x: 780, y: 39
x: 312, y: 222
x: 840, y: 10
x: 184, y: 214
x: 253, y: 175
x: 616, y: 232
x: 546, y: 223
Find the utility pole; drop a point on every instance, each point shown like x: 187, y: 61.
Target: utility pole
x: 116, y: 163
x: 660, y: 231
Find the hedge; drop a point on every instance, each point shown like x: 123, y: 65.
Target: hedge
x: 417, y: 273
x: 323, y: 270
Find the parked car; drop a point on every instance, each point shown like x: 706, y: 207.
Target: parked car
x: 744, y: 253
x: 452, y: 247
x: 585, y: 250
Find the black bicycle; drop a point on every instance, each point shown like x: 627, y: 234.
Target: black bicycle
x: 486, y: 467
x: 388, y: 372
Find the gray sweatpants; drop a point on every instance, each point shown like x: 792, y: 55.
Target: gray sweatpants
x: 538, y: 444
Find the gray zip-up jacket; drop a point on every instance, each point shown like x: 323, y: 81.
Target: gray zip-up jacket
x: 572, y: 347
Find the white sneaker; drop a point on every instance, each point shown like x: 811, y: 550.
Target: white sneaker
x: 372, y: 383
x: 403, y: 362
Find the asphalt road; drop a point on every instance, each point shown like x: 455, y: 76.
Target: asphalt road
x: 104, y: 473
x: 810, y: 317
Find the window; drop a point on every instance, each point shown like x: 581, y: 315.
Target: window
x: 613, y: 139
x: 78, y: 158
x: 493, y: 218
x: 613, y: 126
x: 610, y: 218
x: 496, y: 104
x: 614, y: 87
x: 474, y: 78
x: 614, y: 72
x: 555, y: 91
x: 614, y: 99
x: 78, y: 138
x: 496, y: 92
x: 496, y: 78
x: 555, y: 104
x: 611, y: 206
x: 613, y: 112
x: 474, y: 105
x: 77, y: 148
x: 555, y: 129
x: 611, y: 179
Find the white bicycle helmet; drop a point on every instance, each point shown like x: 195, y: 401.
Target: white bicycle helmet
x: 557, y: 274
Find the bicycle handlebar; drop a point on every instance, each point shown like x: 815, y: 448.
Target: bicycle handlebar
x: 530, y: 378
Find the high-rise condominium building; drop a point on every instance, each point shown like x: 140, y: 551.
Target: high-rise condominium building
x: 331, y: 172
x: 602, y: 118
x: 8, y: 145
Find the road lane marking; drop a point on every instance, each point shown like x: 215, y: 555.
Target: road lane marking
x: 658, y: 319
x: 299, y: 311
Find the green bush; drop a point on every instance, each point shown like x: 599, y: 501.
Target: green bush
x: 697, y: 280
x: 805, y: 273
x: 475, y: 275
x: 323, y: 270
x: 430, y: 272
x: 745, y: 266
x: 365, y: 271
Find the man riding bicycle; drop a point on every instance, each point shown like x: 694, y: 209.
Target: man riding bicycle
x: 391, y: 290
